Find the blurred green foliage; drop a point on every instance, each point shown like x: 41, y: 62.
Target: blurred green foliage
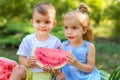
x: 114, y: 11
x: 15, y: 18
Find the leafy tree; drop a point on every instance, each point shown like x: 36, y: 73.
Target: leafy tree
x: 15, y: 17
x: 97, y: 9
x: 113, y: 12
x: 12, y: 16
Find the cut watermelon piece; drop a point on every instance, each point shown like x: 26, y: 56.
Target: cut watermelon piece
x: 47, y: 56
x: 6, y: 67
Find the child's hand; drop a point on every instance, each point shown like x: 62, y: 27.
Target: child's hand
x: 71, y: 60
x: 31, y: 61
x: 48, y: 68
x: 59, y: 75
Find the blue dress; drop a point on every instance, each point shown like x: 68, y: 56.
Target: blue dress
x: 80, y: 52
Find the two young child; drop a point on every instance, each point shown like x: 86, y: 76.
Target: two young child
x: 78, y: 32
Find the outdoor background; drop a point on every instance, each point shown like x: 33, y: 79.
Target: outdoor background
x: 15, y: 23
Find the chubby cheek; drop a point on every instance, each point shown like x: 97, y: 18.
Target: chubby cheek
x: 35, y: 29
x: 50, y: 27
x: 35, y: 24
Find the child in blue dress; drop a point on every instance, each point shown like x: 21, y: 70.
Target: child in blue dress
x: 81, y: 60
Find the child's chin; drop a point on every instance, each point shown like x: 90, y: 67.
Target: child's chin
x: 43, y: 32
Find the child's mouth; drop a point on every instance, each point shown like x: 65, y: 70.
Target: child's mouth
x: 70, y: 37
x: 43, y: 30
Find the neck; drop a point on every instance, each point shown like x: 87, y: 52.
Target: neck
x: 42, y: 37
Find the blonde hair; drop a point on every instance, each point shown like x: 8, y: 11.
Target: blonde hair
x: 82, y: 14
x: 45, y: 8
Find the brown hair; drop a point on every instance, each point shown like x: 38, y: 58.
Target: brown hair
x: 82, y: 14
x: 45, y: 8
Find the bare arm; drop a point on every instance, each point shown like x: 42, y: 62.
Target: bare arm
x: 27, y: 62
x: 90, y: 60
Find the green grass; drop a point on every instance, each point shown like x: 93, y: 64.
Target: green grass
x: 9, y: 53
x: 107, y: 46
x: 108, y: 55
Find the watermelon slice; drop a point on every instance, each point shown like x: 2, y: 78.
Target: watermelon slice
x: 47, y: 56
x: 6, y: 67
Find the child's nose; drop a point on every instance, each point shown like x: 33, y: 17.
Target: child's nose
x: 69, y: 31
x: 41, y: 24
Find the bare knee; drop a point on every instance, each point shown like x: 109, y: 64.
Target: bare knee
x: 19, y: 70
x: 18, y: 73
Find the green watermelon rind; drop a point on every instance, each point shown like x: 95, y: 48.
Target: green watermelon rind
x: 104, y: 75
x: 115, y: 74
x: 41, y: 65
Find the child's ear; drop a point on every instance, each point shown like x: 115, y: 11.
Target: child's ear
x: 54, y: 23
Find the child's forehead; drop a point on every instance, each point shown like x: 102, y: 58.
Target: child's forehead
x: 47, y: 14
x: 71, y: 21
x: 39, y: 15
x: 76, y: 17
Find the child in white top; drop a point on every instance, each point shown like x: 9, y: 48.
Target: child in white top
x: 43, y: 20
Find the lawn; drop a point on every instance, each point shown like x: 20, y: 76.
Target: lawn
x: 9, y: 53
x: 108, y: 54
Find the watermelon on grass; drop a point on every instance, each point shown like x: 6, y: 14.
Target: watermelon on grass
x: 104, y: 75
x: 6, y: 67
x: 54, y: 57
x: 115, y: 75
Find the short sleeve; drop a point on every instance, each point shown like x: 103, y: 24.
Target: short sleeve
x: 24, y: 49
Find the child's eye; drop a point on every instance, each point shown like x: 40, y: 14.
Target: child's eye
x: 74, y: 27
x: 37, y: 21
x: 48, y: 22
x: 65, y: 27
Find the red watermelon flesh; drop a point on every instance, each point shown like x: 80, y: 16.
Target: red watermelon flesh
x: 6, y: 67
x: 54, y: 57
